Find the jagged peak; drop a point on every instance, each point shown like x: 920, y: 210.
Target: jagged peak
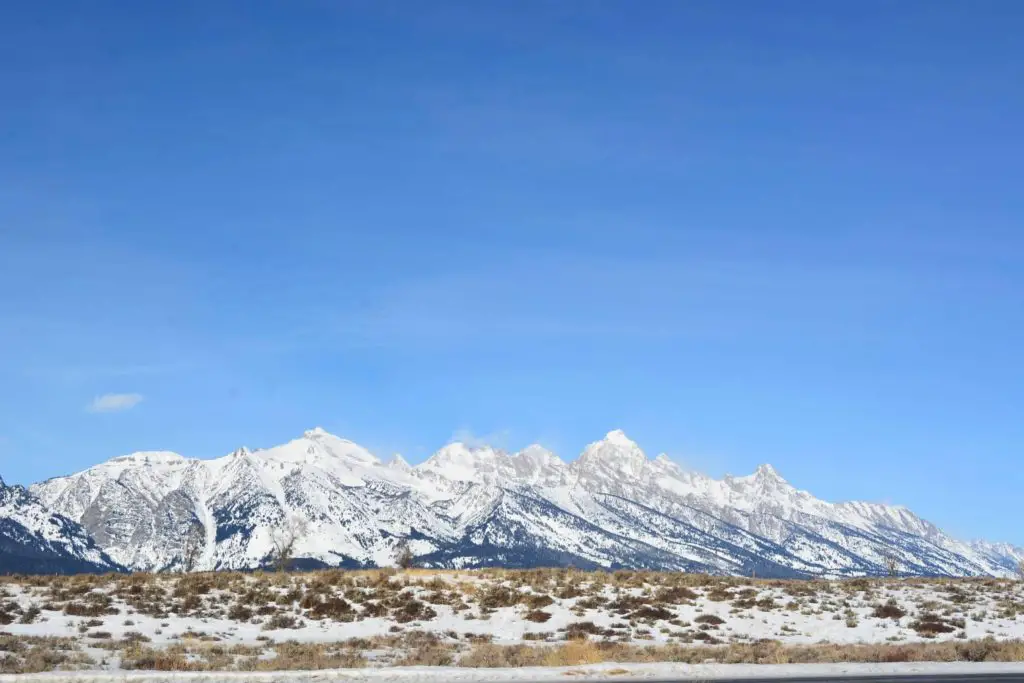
x: 536, y: 452
x: 536, y: 464
x: 619, y: 438
x: 463, y: 454
x: 458, y: 461
x: 763, y: 475
x: 461, y: 447
x: 317, y: 444
x: 478, y: 478
x: 616, y: 452
x: 399, y: 463
x: 150, y: 457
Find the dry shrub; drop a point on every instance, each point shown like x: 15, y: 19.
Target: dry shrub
x: 151, y: 659
x: 428, y: 655
x: 676, y: 595
x: 240, y: 612
x: 413, y: 610
x: 30, y: 615
x: 574, y: 653
x: 281, y: 621
x: 710, y: 619
x: 92, y: 605
x: 499, y: 596
x: 537, y: 616
x: 538, y: 601
x: 570, y: 591
x: 569, y: 654
x: 35, y: 654
x: 488, y: 656
x: 624, y: 604
x: 581, y: 629
x: 647, y: 612
x: 890, y: 610
x: 375, y: 609
x: 929, y: 625
x: 333, y: 608
x: 292, y: 656
x: 591, y: 602
x: 719, y: 594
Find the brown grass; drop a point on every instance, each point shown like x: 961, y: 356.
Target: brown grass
x: 29, y: 654
x: 764, y: 652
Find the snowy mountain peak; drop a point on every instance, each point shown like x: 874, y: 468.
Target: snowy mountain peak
x: 766, y: 472
x: 460, y: 462
x: 458, y: 451
x: 765, y: 481
x: 615, y: 458
x: 537, y: 453
x: 400, y: 463
x: 537, y: 466
x: 664, y: 466
x: 151, y: 458
x: 467, y: 503
x: 318, y: 445
x: 619, y: 438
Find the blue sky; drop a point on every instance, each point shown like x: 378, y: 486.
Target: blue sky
x: 741, y: 231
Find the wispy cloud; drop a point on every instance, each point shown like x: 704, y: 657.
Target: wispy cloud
x: 114, y: 403
x: 496, y: 439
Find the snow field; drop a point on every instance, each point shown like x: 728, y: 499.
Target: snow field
x: 382, y: 618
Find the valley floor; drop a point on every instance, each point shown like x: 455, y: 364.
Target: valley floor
x: 494, y: 618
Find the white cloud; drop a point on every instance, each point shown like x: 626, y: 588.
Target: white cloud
x: 113, y: 403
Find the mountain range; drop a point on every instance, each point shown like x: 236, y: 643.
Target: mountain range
x: 466, y: 506
x: 36, y: 540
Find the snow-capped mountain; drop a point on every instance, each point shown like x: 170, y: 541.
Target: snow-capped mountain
x: 472, y: 506
x: 33, y: 539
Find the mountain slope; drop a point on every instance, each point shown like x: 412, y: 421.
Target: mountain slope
x: 35, y: 540
x: 475, y: 506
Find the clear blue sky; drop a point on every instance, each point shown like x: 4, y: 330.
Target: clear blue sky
x: 741, y: 231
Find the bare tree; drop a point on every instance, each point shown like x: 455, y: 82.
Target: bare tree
x: 195, y: 542
x: 404, y: 558
x: 284, y: 539
x: 892, y: 563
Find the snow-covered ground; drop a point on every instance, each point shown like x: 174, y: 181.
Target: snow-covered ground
x: 383, y: 618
